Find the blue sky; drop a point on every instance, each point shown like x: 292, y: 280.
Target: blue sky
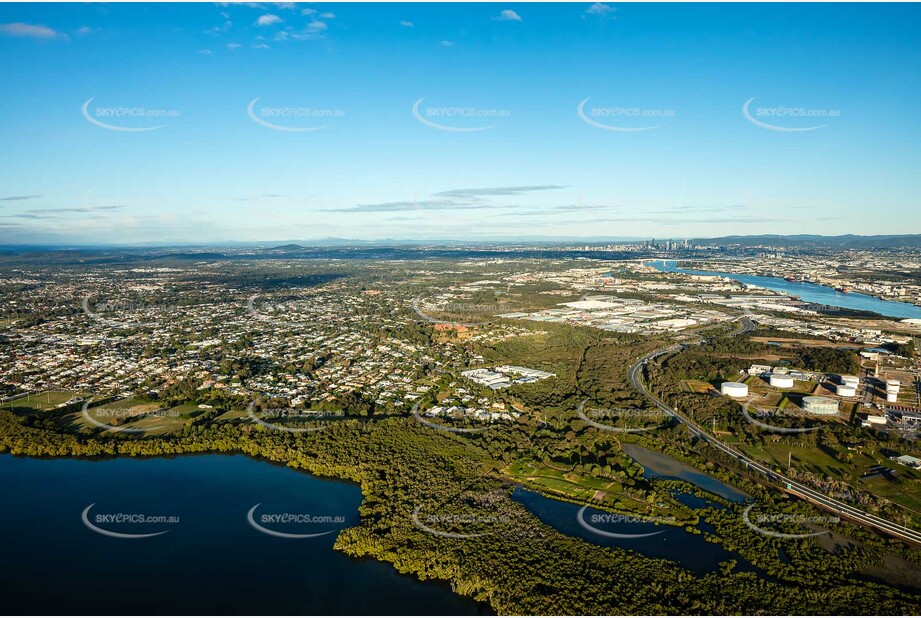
x: 267, y: 122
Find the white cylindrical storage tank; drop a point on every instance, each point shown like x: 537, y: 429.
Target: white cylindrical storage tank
x: 850, y: 380
x: 734, y: 389
x: 892, y: 386
x: 820, y: 405
x: 846, y: 390
x: 779, y: 380
x: 891, y: 397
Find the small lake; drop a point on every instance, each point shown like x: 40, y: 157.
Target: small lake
x: 672, y: 543
x: 660, y: 465
x: 213, y: 561
x: 809, y: 292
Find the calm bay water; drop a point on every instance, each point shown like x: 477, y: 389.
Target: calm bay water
x: 211, y: 561
x: 809, y: 292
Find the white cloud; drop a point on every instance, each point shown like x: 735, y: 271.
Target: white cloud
x: 261, y: 46
x: 309, y: 12
x: 286, y: 6
x: 205, y: 52
x: 408, y: 24
x: 268, y: 19
x: 601, y: 9
x: 327, y: 16
x: 30, y: 30
x: 447, y: 43
x: 316, y: 26
x: 234, y: 46
x: 224, y: 28
x: 508, y: 15
x: 306, y: 36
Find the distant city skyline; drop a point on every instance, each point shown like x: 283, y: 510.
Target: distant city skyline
x: 267, y: 122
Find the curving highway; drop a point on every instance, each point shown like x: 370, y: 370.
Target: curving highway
x: 840, y: 509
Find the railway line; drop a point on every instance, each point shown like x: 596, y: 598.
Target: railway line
x: 774, y: 478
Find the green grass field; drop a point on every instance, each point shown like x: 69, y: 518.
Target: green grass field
x: 904, y: 488
x: 812, y: 459
x: 131, y: 414
x: 231, y: 415
x: 584, y: 488
x: 569, y: 483
x: 166, y: 421
x: 40, y: 402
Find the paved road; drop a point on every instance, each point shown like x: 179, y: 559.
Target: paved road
x: 840, y: 509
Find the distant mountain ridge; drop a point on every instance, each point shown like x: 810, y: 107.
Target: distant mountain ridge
x: 846, y: 241
x: 187, y: 250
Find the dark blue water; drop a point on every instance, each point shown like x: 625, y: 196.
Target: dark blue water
x: 674, y: 543
x: 809, y: 292
x: 211, y: 562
